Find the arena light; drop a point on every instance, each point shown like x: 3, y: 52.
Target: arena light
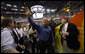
x: 22, y: 7
x: 52, y: 10
x: 39, y: 8
x: 43, y: 9
x: 36, y: 8
x: 37, y: 11
x: 9, y: 5
x: 14, y: 6
x: 48, y: 10
x: 4, y: 8
x: 21, y: 10
x: 14, y: 9
x: 37, y: 15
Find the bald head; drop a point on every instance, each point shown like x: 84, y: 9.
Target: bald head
x: 45, y: 22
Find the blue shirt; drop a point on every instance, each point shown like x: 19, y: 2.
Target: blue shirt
x: 43, y: 32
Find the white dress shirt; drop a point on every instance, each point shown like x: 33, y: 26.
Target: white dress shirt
x: 65, y: 28
x: 20, y: 32
x: 15, y: 30
x: 7, y: 41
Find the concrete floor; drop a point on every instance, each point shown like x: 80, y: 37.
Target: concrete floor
x: 65, y: 48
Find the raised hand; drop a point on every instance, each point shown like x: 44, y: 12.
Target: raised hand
x: 27, y: 11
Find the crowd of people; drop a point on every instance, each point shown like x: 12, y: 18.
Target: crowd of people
x: 17, y: 37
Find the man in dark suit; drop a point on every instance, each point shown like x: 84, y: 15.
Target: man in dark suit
x: 69, y: 31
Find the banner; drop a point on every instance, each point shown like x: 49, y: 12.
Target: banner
x: 78, y: 20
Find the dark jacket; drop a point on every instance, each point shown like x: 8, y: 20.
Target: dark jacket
x: 53, y: 25
x: 72, y: 38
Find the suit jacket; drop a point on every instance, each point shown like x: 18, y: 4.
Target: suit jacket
x: 20, y: 40
x: 72, y: 38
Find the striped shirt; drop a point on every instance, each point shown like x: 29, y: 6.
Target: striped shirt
x: 16, y: 32
x: 7, y: 41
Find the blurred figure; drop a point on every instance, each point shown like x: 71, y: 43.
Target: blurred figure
x: 46, y: 38
x: 8, y: 44
x: 70, y: 33
x: 33, y: 35
x: 53, y: 25
x: 18, y: 39
x: 20, y: 30
x: 58, y: 45
x: 20, y: 33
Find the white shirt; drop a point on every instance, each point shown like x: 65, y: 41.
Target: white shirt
x: 7, y: 41
x: 25, y: 29
x: 31, y: 31
x: 15, y: 30
x: 65, y: 28
x: 20, y: 31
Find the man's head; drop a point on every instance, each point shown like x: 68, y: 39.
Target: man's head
x: 8, y: 23
x: 45, y: 22
x: 64, y: 20
x: 18, y: 25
